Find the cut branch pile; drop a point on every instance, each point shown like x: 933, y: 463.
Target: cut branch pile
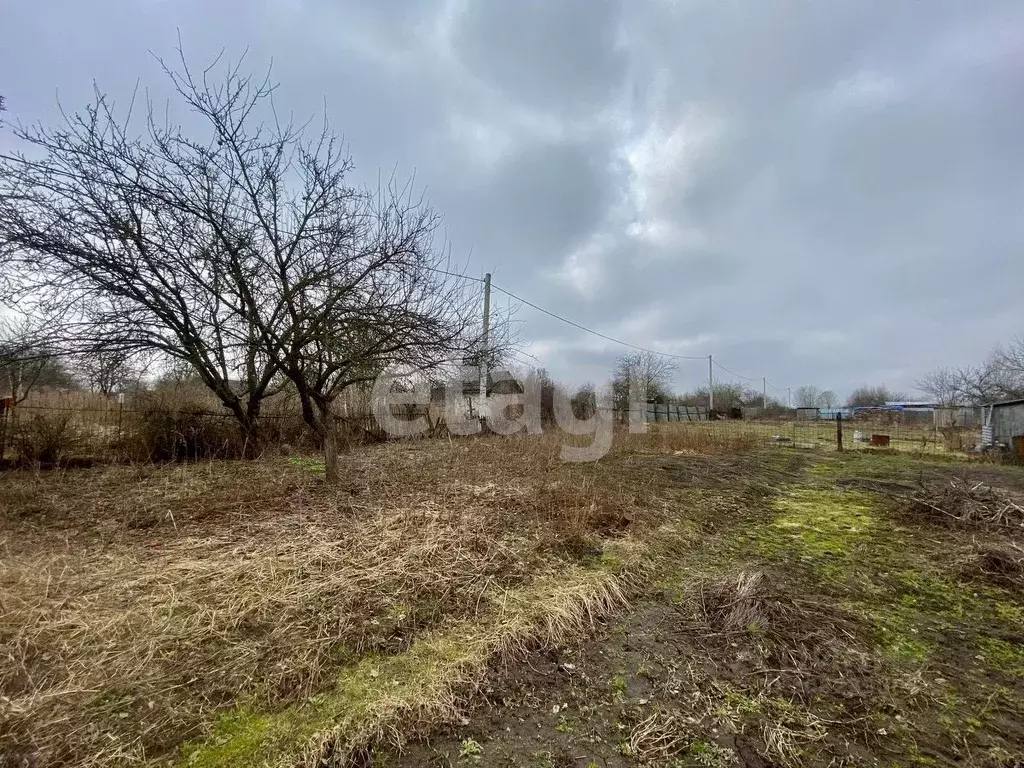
x: 968, y: 502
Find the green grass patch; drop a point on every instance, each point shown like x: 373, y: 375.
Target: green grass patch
x: 821, y: 523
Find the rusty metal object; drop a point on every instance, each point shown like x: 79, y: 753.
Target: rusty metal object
x: 1018, y: 445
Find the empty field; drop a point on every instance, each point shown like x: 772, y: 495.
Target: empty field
x: 694, y: 598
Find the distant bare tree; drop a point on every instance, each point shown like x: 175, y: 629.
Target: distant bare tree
x: 584, y: 401
x: 108, y: 372
x: 993, y: 380
x: 728, y: 395
x: 828, y: 399
x: 867, y: 396
x: 27, y: 360
x: 1011, y: 359
x: 808, y: 396
x: 942, y: 385
x: 983, y: 383
x: 647, y: 373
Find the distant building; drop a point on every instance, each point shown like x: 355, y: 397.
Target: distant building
x: 914, y: 406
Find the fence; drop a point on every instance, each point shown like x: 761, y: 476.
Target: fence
x: 116, y: 431
x: 917, y: 432
x: 655, y: 412
x: 112, y: 430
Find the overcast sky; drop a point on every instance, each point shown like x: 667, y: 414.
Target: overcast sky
x: 817, y: 192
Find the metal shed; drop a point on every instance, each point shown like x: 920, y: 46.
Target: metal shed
x: 1007, y: 421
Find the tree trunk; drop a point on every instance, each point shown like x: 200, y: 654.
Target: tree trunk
x: 331, y: 448
x: 248, y: 423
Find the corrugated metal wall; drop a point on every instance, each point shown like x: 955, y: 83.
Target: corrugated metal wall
x: 1008, y: 422
x: 958, y: 416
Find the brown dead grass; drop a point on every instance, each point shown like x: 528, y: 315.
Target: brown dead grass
x: 699, y: 438
x: 135, y: 602
x: 658, y: 738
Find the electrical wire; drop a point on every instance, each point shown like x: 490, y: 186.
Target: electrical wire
x: 600, y: 335
x: 591, y: 330
x: 732, y: 372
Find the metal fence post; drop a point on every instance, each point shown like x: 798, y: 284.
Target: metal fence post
x: 120, y: 416
x: 839, y: 432
x: 4, y: 408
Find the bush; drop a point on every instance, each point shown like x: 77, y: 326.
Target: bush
x: 173, y: 425
x: 47, y: 438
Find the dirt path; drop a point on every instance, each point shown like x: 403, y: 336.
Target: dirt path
x: 813, y: 624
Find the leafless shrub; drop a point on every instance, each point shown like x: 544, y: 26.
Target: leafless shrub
x: 172, y: 426
x: 46, y: 438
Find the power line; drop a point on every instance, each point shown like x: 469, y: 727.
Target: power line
x: 600, y: 335
x: 455, y: 274
x: 737, y: 375
x: 592, y: 331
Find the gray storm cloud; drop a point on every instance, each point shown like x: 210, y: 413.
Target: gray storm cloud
x: 823, y: 193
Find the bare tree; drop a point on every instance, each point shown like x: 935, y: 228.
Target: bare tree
x: 808, y: 396
x: 584, y: 401
x: 1011, y: 360
x: 242, y: 251
x: 140, y: 240
x: 995, y: 379
x: 828, y: 399
x: 942, y: 385
x: 646, y: 373
x: 108, y: 372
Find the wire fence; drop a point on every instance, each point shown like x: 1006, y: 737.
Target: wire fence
x: 118, y: 431
x: 910, y: 435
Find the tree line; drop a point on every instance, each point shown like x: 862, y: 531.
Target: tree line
x: 651, y: 375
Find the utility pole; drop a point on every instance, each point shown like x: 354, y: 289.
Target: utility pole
x: 484, y: 348
x: 711, y: 385
x: 764, y: 393
x: 789, y: 397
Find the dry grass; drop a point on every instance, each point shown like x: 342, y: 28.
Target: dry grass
x: 382, y: 702
x: 736, y: 604
x: 137, y: 602
x: 658, y: 738
x: 700, y: 438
